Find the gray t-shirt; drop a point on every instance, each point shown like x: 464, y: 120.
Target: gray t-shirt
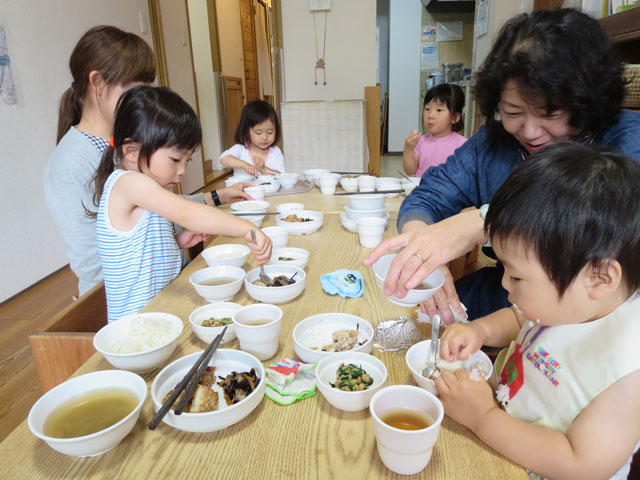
x: 67, y: 190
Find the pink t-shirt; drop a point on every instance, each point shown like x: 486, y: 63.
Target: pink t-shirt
x: 434, y: 151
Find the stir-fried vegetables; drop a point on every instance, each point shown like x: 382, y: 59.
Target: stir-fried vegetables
x: 216, y: 322
x: 352, y: 378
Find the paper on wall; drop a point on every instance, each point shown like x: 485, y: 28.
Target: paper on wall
x: 429, y: 56
x: 449, y: 31
x: 429, y: 33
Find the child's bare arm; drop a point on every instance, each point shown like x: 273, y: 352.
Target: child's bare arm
x: 232, y: 162
x: 495, y: 330
x: 597, y: 444
x: 410, y: 158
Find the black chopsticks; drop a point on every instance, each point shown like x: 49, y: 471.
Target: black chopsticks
x: 352, y: 173
x: 193, y: 375
x: 369, y: 193
x: 248, y: 214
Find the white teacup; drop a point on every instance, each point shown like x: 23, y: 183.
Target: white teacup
x: 370, y: 230
x: 405, y: 451
x: 367, y: 183
x: 279, y: 236
x: 261, y: 340
x: 256, y: 192
x: 327, y: 189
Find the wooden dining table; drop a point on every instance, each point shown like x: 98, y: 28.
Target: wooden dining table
x: 308, y: 439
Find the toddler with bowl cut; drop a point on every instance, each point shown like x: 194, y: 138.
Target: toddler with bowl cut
x: 255, y: 151
x: 442, y: 117
x: 154, y: 135
x: 565, y: 225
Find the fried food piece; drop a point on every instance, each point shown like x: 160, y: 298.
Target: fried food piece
x: 204, y: 400
x: 343, y: 340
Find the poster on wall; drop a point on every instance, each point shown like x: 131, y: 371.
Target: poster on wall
x: 482, y: 18
x: 449, y: 31
x: 429, y: 56
x: 429, y: 33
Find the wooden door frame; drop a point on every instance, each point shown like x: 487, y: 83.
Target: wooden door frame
x: 162, y: 72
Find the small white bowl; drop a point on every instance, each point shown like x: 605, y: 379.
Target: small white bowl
x: 311, y: 173
x: 371, y: 201
x: 346, y: 400
x: 215, y: 310
x: 217, y: 293
x: 279, y: 236
x: 225, y: 361
x: 289, y: 207
x: 300, y: 257
x: 417, y: 357
x: 251, y: 206
x: 275, y: 294
x: 301, y: 228
x: 408, y: 187
x: 99, y: 442
x: 287, y: 180
x: 314, y: 332
x: 389, y: 186
x: 255, y: 219
x: 257, y: 192
x: 266, y: 178
x: 231, y: 181
x: 349, y: 184
x: 414, y: 296
x: 137, y: 362
x: 352, y: 225
x: 271, y: 187
x: 233, y: 254
x: 357, y: 214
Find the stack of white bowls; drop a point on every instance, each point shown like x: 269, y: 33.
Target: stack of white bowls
x: 388, y: 183
x: 366, y: 215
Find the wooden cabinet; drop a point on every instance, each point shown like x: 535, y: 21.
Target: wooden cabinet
x: 624, y: 30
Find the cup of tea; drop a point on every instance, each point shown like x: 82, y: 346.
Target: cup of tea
x: 406, y: 422
x: 258, y: 329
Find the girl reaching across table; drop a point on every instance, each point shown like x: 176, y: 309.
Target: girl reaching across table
x: 256, y: 135
x: 550, y: 76
x: 565, y: 225
x: 105, y: 62
x: 154, y: 135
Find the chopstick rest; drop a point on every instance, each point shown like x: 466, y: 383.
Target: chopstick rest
x: 195, y: 374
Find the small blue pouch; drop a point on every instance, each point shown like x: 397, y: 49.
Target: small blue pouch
x: 346, y: 283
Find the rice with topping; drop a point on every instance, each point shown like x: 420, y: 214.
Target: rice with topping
x: 145, y: 333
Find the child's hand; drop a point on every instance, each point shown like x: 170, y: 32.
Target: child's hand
x: 234, y: 193
x: 187, y: 238
x: 258, y: 161
x: 464, y: 400
x: 262, y: 247
x: 412, y: 140
x: 251, y: 169
x: 459, y: 341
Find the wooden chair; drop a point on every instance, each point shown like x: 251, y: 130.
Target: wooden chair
x: 67, y: 342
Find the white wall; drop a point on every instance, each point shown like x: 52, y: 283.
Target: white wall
x: 205, y: 79
x: 40, y: 37
x: 499, y: 12
x: 175, y: 29
x: 350, y: 54
x: 404, y: 70
x: 230, y: 36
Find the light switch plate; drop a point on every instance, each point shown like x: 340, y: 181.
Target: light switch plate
x: 315, y: 5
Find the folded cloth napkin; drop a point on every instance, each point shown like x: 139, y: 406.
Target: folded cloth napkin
x: 457, y: 317
x: 346, y: 283
x: 289, y: 380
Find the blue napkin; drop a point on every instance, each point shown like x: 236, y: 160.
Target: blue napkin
x: 346, y: 283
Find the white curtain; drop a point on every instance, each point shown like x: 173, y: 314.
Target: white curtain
x: 264, y: 60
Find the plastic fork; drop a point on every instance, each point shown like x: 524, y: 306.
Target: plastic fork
x: 263, y: 275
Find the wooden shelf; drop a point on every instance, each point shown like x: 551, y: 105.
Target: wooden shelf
x: 624, y: 30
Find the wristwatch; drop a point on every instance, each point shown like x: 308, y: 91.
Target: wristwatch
x: 215, y: 198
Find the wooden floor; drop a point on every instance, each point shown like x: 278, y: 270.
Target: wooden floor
x: 19, y: 317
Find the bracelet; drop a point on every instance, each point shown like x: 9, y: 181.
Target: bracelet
x: 215, y: 198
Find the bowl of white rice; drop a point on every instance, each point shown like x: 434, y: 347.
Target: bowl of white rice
x: 140, y: 342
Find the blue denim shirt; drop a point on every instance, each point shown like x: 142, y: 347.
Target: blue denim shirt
x: 474, y: 172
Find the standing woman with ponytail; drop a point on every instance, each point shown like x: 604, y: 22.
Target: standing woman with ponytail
x: 105, y: 63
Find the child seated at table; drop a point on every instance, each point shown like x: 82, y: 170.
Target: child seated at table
x: 255, y: 151
x: 566, y: 226
x: 154, y: 135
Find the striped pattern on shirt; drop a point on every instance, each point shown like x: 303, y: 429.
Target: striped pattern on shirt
x: 136, y: 264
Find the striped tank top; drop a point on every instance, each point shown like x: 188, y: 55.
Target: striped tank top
x: 138, y: 263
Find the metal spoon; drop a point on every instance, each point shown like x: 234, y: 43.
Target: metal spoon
x: 435, y: 331
x: 263, y: 275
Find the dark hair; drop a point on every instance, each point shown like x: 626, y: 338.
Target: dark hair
x: 573, y: 205
x: 564, y: 58
x: 120, y: 57
x: 154, y: 118
x: 452, y: 96
x: 253, y: 113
